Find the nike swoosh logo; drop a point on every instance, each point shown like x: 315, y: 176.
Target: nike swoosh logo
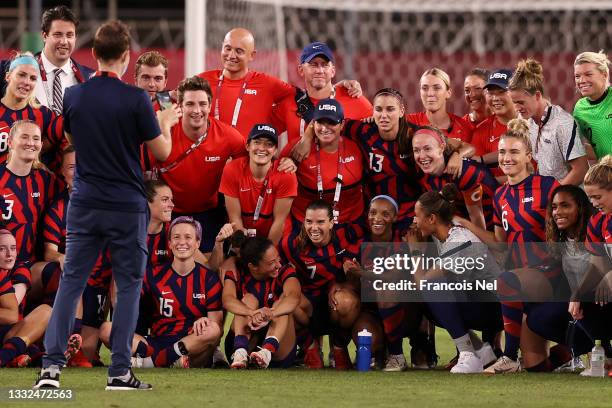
x: 312, y: 167
x: 165, y: 293
x: 504, y: 205
x: 316, y: 46
x: 7, y: 195
x: 244, y: 189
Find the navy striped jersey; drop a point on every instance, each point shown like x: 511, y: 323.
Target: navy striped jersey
x: 475, y: 183
x: 388, y: 172
x: 265, y: 291
x: 318, y: 267
x: 178, y: 301
x: 157, y: 244
x: 599, y: 235
x: 520, y: 209
x: 25, y: 198
x: 51, y: 127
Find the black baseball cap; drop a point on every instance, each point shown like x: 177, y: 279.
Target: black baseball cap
x: 263, y: 130
x: 499, y: 78
x: 329, y: 109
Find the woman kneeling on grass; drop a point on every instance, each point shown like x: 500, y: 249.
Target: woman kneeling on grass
x: 262, y: 294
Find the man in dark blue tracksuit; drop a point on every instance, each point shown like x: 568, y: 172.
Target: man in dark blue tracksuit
x: 107, y: 121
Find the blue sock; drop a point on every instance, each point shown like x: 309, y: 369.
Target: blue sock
x: 11, y: 349
x: 241, y: 341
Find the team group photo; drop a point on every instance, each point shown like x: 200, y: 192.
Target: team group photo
x: 270, y: 203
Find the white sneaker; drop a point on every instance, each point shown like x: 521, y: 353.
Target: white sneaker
x: 219, y: 359
x: 262, y: 357
x: 468, y: 363
x: 395, y: 363
x: 142, y: 362
x: 504, y: 365
x: 486, y: 354
x: 571, y: 366
x: 240, y: 359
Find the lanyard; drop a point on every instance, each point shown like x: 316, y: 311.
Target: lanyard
x: 186, y: 153
x: 541, y: 126
x: 338, y: 189
x: 43, y: 77
x: 238, y: 105
x: 262, y: 194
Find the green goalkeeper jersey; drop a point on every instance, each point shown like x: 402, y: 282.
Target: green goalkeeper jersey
x: 595, y: 121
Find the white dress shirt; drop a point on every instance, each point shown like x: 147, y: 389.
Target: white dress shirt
x: 44, y: 89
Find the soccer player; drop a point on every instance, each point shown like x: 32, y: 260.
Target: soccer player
x: 477, y: 184
x: 16, y: 332
x: 567, y: 217
x: 262, y: 294
x: 159, y: 198
x: 473, y: 88
x: 487, y: 133
x: 317, y: 67
x: 554, y: 134
x: 456, y: 311
x: 333, y: 171
x: 258, y: 197
x: 519, y: 218
x: 319, y: 251
x: 596, y: 314
x: 27, y: 189
x: 593, y: 110
x: 58, y: 70
x: 185, y: 299
x: 108, y: 204
x: 435, y: 89
x: 18, y: 103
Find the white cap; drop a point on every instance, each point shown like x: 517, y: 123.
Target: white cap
x: 364, y: 332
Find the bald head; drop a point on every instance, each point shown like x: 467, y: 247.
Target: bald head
x: 237, y: 51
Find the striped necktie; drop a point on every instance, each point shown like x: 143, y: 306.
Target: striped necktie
x: 57, y: 91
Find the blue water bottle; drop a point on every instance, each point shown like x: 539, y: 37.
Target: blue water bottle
x: 364, y: 350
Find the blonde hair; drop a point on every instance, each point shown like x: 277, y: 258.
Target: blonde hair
x: 600, y: 59
x: 519, y: 129
x: 13, y: 132
x: 600, y: 174
x: 32, y: 101
x: 438, y: 73
x: 528, y: 76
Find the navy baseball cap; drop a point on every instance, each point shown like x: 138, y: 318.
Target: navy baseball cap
x: 263, y: 130
x: 499, y: 78
x: 316, y: 49
x: 329, y: 109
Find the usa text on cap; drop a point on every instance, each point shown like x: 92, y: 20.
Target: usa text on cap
x: 263, y: 130
x: 499, y: 78
x: 329, y: 109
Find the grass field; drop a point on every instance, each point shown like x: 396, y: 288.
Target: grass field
x: 323, y: 388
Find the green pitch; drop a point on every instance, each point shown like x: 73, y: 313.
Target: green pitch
x: 323, y: 388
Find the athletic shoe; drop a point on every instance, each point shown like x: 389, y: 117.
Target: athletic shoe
x: 127, y: 382
x: 342, y: 359
x: 504, y: 365
x: 571, y: 366
x: 79, y: 360
x: 261, y: 358
x: 142, y: 362
x: 468, y: 363
x: 182, y: 362
x: 20, y: 361
x: 74, y: 345
x: 48, y: 378
x: 219, y: 359
x: 486, y: 354
x: 395, y: 363
x: 240, y: 359
x: 312, y: 358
